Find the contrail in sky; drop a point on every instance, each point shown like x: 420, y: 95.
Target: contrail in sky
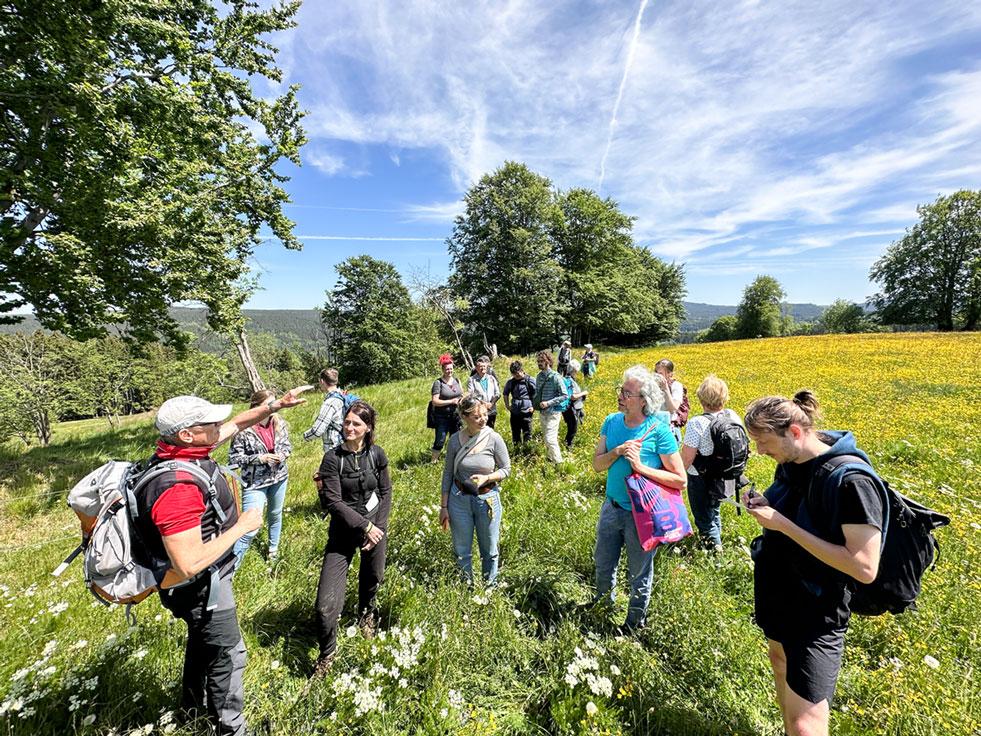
x: 623, y: 84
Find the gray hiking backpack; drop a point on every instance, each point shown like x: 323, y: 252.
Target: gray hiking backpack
x: 105, y: 503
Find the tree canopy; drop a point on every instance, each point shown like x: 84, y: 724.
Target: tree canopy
x: 759, y: 311
x: 844, y: 316
x: 932, y: 275
x: 533, y: 263
x: 378, y: 333
x: 501, y: 253
x: 137, y: 164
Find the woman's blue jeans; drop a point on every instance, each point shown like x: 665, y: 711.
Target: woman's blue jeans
x: 705, y: 510
x: 272, y: 498
x: 481, y: 514
x: 614, y: 531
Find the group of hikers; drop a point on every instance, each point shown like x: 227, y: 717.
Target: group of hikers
x: 188, y: 533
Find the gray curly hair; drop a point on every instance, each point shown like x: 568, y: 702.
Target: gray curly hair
x: 653, y: 396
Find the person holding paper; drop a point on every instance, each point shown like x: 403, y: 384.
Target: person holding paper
x: 356, y: 490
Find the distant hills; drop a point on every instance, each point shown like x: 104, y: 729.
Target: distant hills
x: 301, y: 327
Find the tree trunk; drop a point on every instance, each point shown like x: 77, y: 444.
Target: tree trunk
x: 245, y: 355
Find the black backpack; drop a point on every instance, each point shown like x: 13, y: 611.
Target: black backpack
x: 908, y: 545
x: 730, y: 449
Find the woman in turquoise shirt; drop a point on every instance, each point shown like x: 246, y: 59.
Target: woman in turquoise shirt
x: 632, y: 440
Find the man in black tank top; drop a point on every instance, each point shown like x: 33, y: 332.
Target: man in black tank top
x: 187, y: 529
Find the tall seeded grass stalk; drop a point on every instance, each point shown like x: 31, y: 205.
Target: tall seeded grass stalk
x: 461, y: 660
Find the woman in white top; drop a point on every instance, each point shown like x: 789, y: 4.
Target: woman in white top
x: 674, y: 394
x: 706, y: 494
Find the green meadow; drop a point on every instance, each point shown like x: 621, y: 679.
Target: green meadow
x: 531, y: 656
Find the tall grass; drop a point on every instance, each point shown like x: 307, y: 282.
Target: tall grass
x: 531, y: 657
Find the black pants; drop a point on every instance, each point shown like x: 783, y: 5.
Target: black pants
x: 521, y: 426
x: 341, y: 546
x: 492, y: 419
x: 214, y: 662
x: 571, y: 417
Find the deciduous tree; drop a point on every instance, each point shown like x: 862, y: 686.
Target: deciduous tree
x: 759, y: 311
x: 503, y: 263
x: 377, y: 332
x: 932, y: 275
x: 137, y: 164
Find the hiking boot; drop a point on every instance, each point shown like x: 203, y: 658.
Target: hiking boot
x: 272, y: 555
x: 320, y: 670
x: 368, y: 625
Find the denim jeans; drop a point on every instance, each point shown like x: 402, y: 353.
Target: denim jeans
x: 446, y: 424
x: 481, y: 514
x: 272, y: 498
x: 614, y: 531
x: 705, y: 510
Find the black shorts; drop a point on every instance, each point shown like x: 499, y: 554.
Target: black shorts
x: 813, y: 664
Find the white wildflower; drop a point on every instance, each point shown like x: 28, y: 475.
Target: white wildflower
x: 517, y: 613
x: 89, y: 719
x: 80, y: 644
x: 140, y: 653
x: 58, y: 608
x: 20, y: 674
x: 614, y: 670
x: 571, y: 680
x: 47, y: 671
x: 591, y: 708
x: 274, y: 664
x: 931, y: 662
x: 50, y: 647
x: 351, y: 631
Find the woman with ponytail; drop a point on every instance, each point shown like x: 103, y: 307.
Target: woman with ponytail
x: 817, y: 542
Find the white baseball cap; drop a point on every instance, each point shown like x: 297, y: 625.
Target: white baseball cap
x: 182, y: 412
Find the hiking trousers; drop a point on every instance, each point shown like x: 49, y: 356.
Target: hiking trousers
x: 550, y: 429
x: 520, y: 426
x: 341, y: 545
x: 214, y: 663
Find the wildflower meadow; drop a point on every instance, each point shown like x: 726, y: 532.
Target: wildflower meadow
x: 531, y: 656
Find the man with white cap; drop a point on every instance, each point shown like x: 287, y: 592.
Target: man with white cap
x: 188, y: 528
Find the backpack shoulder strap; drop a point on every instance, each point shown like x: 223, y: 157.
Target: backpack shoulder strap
x: 837, y: 467
x: 199, y: 477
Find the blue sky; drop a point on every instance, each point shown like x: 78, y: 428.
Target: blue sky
x: 792, y: 139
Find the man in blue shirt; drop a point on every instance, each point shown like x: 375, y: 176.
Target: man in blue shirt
x: 632, y: 440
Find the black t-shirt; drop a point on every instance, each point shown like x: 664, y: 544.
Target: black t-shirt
x: 797, y: 594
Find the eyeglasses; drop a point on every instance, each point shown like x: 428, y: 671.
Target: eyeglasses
x: 626, y: 394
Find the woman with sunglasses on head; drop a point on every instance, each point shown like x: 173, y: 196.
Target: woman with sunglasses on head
x: 446, y: 393
x: 356, y: 490
x: 260, y: 454
x: 477, y: 461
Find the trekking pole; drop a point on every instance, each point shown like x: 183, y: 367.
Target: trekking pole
x: 67, y: 561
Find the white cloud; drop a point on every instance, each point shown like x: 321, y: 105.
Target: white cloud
x: 321, y: 159
x: 437, y: 212
x: 757, y: 125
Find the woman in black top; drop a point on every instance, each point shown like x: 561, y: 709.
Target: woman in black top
x: 822, y: 533
x: 356, y: 490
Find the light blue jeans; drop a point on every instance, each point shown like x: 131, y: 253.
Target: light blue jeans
x: 614, y: 531
x: 481, y: 514
x: 272, y: 499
